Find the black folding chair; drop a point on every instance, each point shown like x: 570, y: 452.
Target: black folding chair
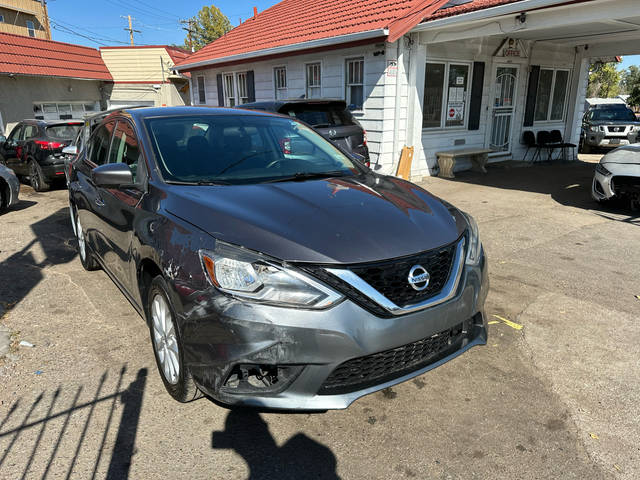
x: 545, y: 143
x: 556, y: 138
x: 529, y: 139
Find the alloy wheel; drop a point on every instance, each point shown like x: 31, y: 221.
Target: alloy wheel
x: 165, y: 340
x: 82, y: 247
x: 34, y: 177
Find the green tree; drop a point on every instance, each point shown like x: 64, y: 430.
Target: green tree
x: 604, y: 80
x: 630, y: 79
x: 634, y: 96
x: 210, y: 23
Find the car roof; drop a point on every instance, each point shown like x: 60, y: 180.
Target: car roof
x: 277, y: 104
x: 48, y: 123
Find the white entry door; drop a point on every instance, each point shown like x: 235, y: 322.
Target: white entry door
x: 504, y: 104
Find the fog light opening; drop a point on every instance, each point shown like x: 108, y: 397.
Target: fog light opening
x: 249, y: 378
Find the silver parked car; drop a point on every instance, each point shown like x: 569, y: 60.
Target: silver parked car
x: 9, y: 188
x: 617, y: 176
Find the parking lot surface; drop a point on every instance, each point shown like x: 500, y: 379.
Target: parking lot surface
x: 554, y: 394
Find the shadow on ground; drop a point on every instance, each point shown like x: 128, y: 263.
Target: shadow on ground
x: 300, y: 457
x: 21, y: 272
x: 568, y: 183
x: 23, y: 448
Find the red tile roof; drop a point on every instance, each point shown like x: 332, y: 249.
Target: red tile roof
x: 296, y: 21
x: 22, y: 55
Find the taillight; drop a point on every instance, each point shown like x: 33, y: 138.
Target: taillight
x: 368, y: 164
x: 285, y: 144
x: 48, y: 145
x: 364, y: 138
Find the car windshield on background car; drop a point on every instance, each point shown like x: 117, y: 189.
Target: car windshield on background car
x: 242, y: 149
x: 614, y: 114
x: 64, y: 131
x: 321, y: 115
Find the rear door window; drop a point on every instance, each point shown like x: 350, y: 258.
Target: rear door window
x: 64, y: 131
x: 29, y: 132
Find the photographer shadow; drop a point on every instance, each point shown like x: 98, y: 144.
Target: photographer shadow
x: 300, y: 457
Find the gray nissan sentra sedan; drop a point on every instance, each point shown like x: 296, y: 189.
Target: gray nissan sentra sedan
x: 273, y: 269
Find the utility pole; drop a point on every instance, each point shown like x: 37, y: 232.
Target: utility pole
x: 47, y: 26
x: 189, y: 31
x: 130, y: 29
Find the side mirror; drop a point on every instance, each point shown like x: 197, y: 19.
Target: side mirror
x: 112, y: 175
x: 70, y: 150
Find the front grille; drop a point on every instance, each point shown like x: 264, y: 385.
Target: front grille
x: 625, y: 185
x: 390, y: 277
x: 381, y: 367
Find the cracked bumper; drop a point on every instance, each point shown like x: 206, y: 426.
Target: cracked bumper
x: 222, y: 332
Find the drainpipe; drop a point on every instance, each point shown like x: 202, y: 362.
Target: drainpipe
x: 396, y: 113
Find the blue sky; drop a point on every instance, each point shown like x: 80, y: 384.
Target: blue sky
x: 100, y: 20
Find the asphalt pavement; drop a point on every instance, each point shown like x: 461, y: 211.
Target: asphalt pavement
x: 554, y: 394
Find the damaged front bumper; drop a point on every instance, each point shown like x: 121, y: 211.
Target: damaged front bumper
x: 243, y: 353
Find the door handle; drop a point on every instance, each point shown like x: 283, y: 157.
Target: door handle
x: 99, y: 202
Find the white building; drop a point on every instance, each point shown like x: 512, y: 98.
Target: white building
x: 435, y: 75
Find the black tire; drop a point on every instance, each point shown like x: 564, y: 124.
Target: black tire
x: 585, y: 148
x: 4, y: 196
x: 88, y: 261
x: 36, y: 177
x: 183, y: 388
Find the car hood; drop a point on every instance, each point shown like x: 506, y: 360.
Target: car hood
x: 629, y: 154
x: 335, y: 220
x: 613, y: 122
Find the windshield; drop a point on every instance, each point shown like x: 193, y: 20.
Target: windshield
x: 321, y: 115
x: 67, y: 131
x: 614, y: 114
x: 233, y: 149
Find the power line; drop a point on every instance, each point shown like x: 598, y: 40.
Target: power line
x: 139, y: 11
x: 69, y: 29
x: 158, y: 9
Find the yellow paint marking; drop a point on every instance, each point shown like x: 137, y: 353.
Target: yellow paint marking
x: 594, y: 436
x: 574, y: 185
x: 509, y: 323
x: 493, y: 322
x: 638, y: 297
x: 617, y: 467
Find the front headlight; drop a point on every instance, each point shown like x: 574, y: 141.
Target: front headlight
x: 594, y: 128
x: 255, y: 277
x: 636, y: 129
x: 601, y: 170
x: 474, y: 251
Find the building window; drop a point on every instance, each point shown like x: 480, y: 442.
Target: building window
x: 445, y: 94
x: 62, y: 111
x: 314, y: 80
x: 228, y: 90
x: 551, y: 95
x: 31, y: 27
x: 1, y: 18
x: 355, y: 83
x: 280, y: 82
x: 243, y: 96
x: 202, y: 94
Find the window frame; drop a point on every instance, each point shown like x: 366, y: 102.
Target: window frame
x: 239, y: 96
x: 235, y: 76
x: 90, y: 145
x: 72, y: 104
x: 31, y: 28
x: 202, y: 100
x: 307, y: 87
x: 445, y: 94
x: 276, y: 88
x: 1, y: 18
x: 551, y: 94
x: 141, y: 172
x: 347, y: 94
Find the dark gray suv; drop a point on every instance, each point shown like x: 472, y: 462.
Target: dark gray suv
x: 273, y: 270
x: 329, y: 117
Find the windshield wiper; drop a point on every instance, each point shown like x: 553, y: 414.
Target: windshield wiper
x: 301, y: 176
x: 198, y: 183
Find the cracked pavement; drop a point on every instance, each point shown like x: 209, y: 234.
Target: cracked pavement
x: 555, y: 399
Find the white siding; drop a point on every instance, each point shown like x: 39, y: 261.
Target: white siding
x: 374, y: 114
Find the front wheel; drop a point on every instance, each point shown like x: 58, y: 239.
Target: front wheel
x: 36, y: 177
x: 167, y: 345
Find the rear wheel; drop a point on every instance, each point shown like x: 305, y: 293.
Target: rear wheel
x: 4, y: 196
x: 36, y: 177
x: 167, y: 345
